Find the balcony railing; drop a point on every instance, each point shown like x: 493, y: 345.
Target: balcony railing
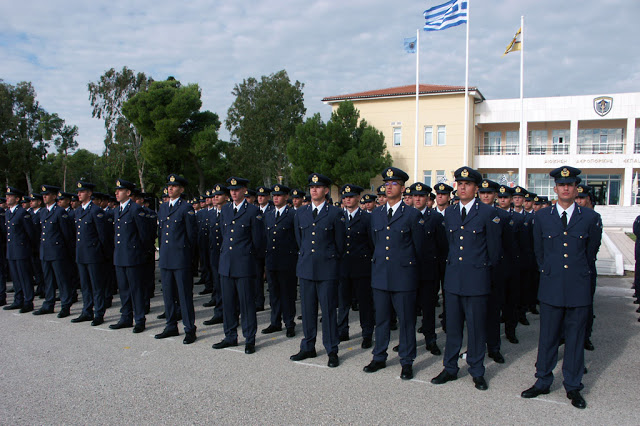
x: 552, y: 149
x: 601, y: 148
x: 497, y: 150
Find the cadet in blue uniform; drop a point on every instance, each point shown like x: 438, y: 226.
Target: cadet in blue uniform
x: 434, y: 243
x: 202, y: 219
x: 128, y: 257
x: 220, y: 195
x: 177, y: 237
x: 20, y: 233
x: 91, y: 248
x: 355, y: 268
x: 473, y: 230
x: 55, y: 251
x: 36, y: 207
x: 280, y: 262
x: 242, y: 239
x: 398, y: 238
x: 565, y: 239
x: 265, y: 206
x: 443, y: 201
x: 320, y: 233
x: 528, y: 267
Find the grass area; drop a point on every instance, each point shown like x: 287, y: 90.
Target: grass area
x: 631, y: 235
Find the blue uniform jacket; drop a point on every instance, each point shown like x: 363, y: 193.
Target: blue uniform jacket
x: 356, y: 262
x: 202, y: 219
x: 564, y: 255
x: 321, y: 241
x: 527, y: 255
x: 21, y: 233
x: 91, y: 235
x: 130, y: 228
x: 215, y: 236
x: 177, y: 235
x: 474, y: 247
x: 282, y: 248
x: 435, y: 242
x: 56, y: 234
x: 242, y: 239
x: 398, y: 247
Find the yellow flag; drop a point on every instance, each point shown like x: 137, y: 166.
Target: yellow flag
x: 515, y: 43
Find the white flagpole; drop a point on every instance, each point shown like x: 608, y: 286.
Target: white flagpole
x: 415, y: 154
x: 466, y: 95
x: 522, y: 179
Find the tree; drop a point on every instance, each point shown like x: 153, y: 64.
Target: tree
x: 65, y: 143
x: 122, y: 139
x: 346, y: 149
x: 178, y: 137
x: 261, y: 121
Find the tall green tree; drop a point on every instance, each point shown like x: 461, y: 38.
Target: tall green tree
x: 178, y: 137
x: 65, y: 143
x: 122, y: 140
x: 346, y: 148
x: 261, y: 121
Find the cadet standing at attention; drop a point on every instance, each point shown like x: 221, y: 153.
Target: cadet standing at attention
x: 565, y: 240
x: 320, y: 233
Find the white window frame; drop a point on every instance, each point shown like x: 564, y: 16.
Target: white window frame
x: 427, y: 175
x: 428, y: 130
x: 397, y: 131
x: 444, y: 135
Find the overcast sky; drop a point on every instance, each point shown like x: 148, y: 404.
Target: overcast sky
x: 333, y: 47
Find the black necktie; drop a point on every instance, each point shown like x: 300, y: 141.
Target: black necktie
x: 170, y: 206
x: 464, y: 213
x: 235, y: 211
x: 120, y: 209
x: 315, y: 213
x: 390, y: 214
x: 278, y: 214
x: 564, y: 219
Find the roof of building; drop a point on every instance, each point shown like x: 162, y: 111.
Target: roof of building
x: 425, y: 89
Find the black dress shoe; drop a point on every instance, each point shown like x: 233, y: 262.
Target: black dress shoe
x: 561, y: 342
x: 97, y: 321
x: 189, y: 338
x: 299, y: 317
x: 213, y: 321
x: 367, y: 342
x: 64, y: 312
x: 588, y: 345
x: 205, y: 291
x: 576, y: 399
x: 11, y: 290
x: 443, y: 377
x: 147, y: 309
x: 481, y: 383
x: 635, y: 302
x: 374, y: 366
x: 272, y: 329
x: 250, y: 348
x: 120, y: 324
x: 42, y: 311
x: 333, y: 360
x: 396, y: 348
x: 344, y: 337
x: 533, y: 392
x: 512, y: 339
x: 26, y: 309
x: 497, y: 357
x: 82, y: 318
x: 433, y: 348
x: 224, y: 344
x: 534, y: 310
x: 291, y: 332
x: 12, y: 307
x: 3, y: 302
x: 209, y: 304
x: 638, y: 310
x: 302, y: 355
x: 167, y: 333
x: 393, y: 326
x: 138, y: 328
x: 523, y: 320
x: 419, y: 330
x: 162, y: 316
x: 259, y: 308
x: 108, y: 303
x: 407, y: 372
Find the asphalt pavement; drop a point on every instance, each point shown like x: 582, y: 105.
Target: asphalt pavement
x: 56, y: 372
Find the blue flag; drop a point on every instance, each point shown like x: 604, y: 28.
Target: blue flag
x: 446, y: 15
x: 410, y: 44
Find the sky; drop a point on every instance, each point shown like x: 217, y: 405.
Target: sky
x: 333, y: 47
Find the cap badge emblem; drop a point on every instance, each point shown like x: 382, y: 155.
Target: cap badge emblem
x: 564, y: 172
x: 464, y: 173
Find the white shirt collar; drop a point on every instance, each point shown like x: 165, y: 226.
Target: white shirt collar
x: 353, y: 213
x: 264, y: 208
x: 281, y: 209
x: 239, y: 205
x: 394, y: 207
x: 423, y: 211
x: 13, y: 209
x: 467, y: 206
x: 49, y: 208
x: 569, y: 210
x: 441, y: 211
x: 84, y: 206
x: 172, y: 203
x: 320, y: 207
x: 124, y: 205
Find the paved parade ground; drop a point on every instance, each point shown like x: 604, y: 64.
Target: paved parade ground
x: 56, y: 372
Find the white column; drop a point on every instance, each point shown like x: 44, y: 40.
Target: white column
x: 524, y: 149
x: 630, y: 136
x: 627, y: 184
x: 573, y: 137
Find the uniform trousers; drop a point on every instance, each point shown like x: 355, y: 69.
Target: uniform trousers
x: 38, y: 275
x: 594, y: 275
x: 149, y: 280
x: 205, y: 265
x: 20, y: 271
x: 473, y: 310
x: 57, y: 271
x: 239, y: 292
x: 404, y: 303
x: 364, y: 295
x: 177, y: 287
x: 427, y: 298
x: 131, y: 288
x: 259, y: 282
x: 92, y: 282
x: 216, y: 294
x: 553, y: 320
x: 282, y: 296
x: 324, y: 292
x: 511, y: 301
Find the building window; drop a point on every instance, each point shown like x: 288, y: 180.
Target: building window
x: 440, y: 176
x: 503, y: 178
x: 397, y: 136
x: 537, y: 142
x: 492, y: 141
x: 541, y: 184
x: 600, y: 141
x: 606, y: 188
x: 442, y: 135
x: 427, y: 177
x: 513, y: 143
x: 560, y: 139
x: 428, y: 136
x: 636, y: 145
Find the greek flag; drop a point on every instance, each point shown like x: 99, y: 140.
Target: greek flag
x: 449, y: 14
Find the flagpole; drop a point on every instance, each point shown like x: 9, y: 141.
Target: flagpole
x: 415, y: 154
x: 523, y: 146
x: 466, y: 94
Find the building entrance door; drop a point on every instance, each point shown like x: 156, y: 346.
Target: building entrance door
x: 599, y: 191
